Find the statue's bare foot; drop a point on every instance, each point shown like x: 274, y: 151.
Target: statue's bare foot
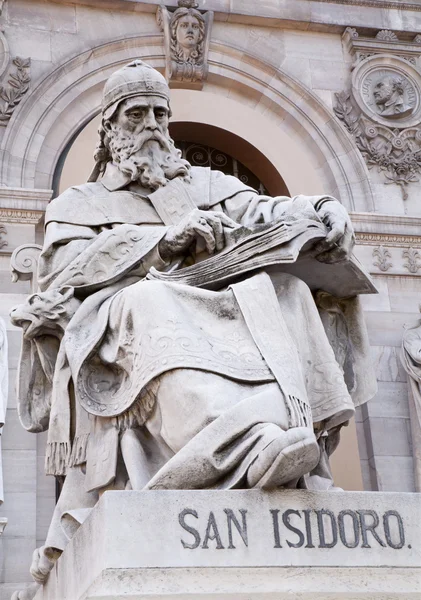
x: 293, y: 454
x: 26, y: 594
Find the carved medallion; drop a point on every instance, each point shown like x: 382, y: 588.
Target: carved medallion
x: 388, y: 90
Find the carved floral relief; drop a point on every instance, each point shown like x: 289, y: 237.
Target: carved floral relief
x: 413, y: 260
x: 381, y: 257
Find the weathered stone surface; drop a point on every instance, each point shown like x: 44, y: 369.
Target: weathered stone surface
x: 220, y: 539
x: 261, y: 55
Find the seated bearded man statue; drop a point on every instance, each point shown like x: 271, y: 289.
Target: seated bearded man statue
x: 145, y: 384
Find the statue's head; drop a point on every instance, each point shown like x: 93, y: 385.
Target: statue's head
x: 187, y: 27
x: 388, y: 90
x: 134, y: 127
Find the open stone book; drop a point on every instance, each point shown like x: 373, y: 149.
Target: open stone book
x: 285, y: 247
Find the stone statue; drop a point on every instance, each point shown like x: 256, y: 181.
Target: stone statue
x: 389, y: 97
x: 4, y: 374
x: 145, y: 384
x: 411, y: 360
x: 187, y: 33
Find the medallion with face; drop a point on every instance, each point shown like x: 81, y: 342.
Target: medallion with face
x: 387, y: 89
x: 389, y: 94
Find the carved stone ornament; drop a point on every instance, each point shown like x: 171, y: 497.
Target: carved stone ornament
x: 383, y: 114
x: 16, y: 87
x: 24, y: 263
x: 413, y: 260
x: 387, y: 90
x: 186, y: 41
x: 395, y: 153
x: 381, y: 256
x: 385, y: 41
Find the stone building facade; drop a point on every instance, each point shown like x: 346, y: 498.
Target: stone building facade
x: 309, y: 96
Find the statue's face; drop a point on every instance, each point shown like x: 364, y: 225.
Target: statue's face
x: 383, y: 91
x: 143, y: 113
x: 139, y: 142
x: 188, y: 32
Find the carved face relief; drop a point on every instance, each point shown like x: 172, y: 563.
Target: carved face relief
x: 387, y: 90
x: 187, y: 36
x: 389, y: 94
x: 188, y: 32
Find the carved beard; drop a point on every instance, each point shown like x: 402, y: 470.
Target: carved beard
x: 149, y: 157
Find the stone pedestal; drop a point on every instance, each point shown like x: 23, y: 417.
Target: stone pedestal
x: 244, y: 545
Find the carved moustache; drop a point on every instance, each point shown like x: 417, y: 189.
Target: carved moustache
x: 147, y: 136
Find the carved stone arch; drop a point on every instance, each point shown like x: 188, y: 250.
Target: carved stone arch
x: 44, y: 124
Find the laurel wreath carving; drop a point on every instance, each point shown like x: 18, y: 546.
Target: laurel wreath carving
x: 396, y: 153
x: 18, y: 85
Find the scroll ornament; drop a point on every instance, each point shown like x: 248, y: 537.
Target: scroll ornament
x: 186, y: 41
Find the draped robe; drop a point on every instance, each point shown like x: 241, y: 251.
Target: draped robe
x: 127, y: 333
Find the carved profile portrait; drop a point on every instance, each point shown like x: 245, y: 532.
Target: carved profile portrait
x: 187, y: 30
x: 389, y: 97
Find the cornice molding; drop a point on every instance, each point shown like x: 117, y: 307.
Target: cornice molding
x: 23, y: 205
x: 401, y: 226
x: 385, y: 239
x: 29, y: 217
x: 375, y: 4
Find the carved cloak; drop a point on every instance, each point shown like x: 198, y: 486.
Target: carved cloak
x: 101, y: 241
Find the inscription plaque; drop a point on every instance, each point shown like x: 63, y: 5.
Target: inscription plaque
x: 266, y: 529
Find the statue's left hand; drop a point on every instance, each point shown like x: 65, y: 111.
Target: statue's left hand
x: 340, y: 240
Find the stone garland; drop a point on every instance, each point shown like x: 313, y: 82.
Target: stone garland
x: 396, y: 153
x: 18, y: 85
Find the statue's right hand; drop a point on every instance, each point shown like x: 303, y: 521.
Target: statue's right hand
x: 199, y: 224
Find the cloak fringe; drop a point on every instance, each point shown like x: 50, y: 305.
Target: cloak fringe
x: 299, y: 412
x: 79, y: 447
x: 141, y: 410
x: 57, y: 458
